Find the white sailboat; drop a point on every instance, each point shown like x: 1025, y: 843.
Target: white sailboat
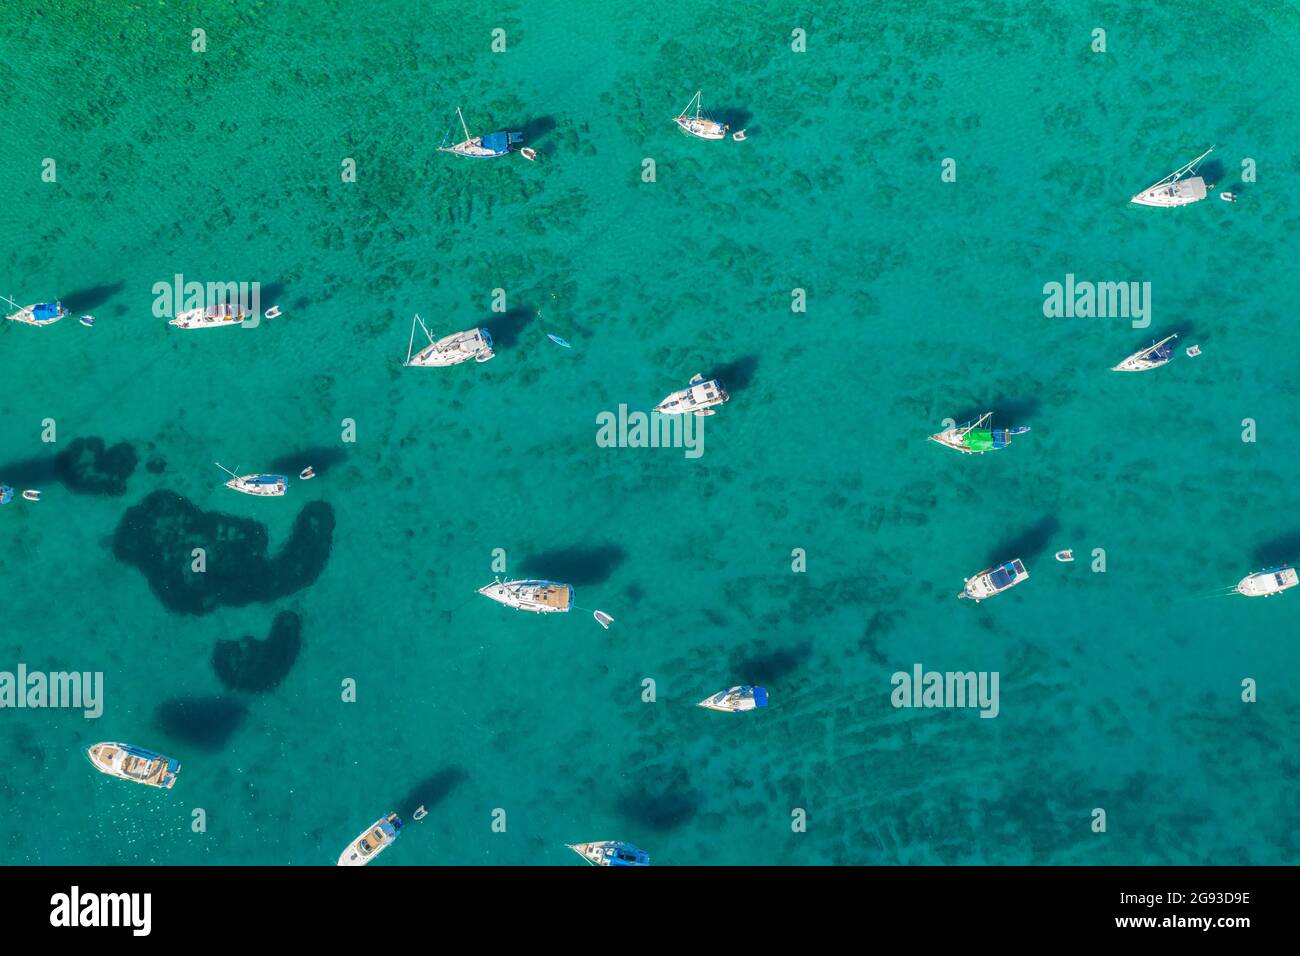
x: 540, y: 597
x: 1148, y: 358
x: 262, y: 486
x: 698, y: 398
x: 491, y: 146
x: 699, y: 125
x: 213, y: 317
x: 1174, y: 190
x: 473, y: 344
x: 41, y: 313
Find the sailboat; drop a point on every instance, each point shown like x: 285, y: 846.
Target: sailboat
x: 1174, y: 190
x: 540, y: 597
x: 701, y: 125
x: 490, y: 146
x: 736, y: 700
x: 42, y: 313
x: 263, y: 486
x: 213, y: 317
x: 973, y: 439
x: 698, y: 398
x: 1146, y: 359
x: 610, y: 853
x: 473, y: 344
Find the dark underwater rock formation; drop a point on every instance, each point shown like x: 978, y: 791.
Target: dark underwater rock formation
x: 258, y: 666
x: 159, y: 534
x: 86, y: 466
x: 202, y: 722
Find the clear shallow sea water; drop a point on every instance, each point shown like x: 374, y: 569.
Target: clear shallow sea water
x: 1118, y: 690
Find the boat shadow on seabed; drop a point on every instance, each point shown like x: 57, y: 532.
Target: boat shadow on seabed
x: 1028, y: 544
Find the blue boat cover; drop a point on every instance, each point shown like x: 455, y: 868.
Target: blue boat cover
x: 760, y: 696
x: 45, y: 311
x: 6, y: 494
x: 999, y: 438
x: 1003, y: 576
x: 499, y: 142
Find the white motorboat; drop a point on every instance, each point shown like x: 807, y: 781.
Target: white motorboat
x: 699, y: 125
x: 374, y: 840
x: 698, y: 398
x: 127, y: 762
x: 1148, y: 358
x: 736, y: 700
x: 473, y: 344
x: 1268, y: 582
x: 1174, y: 189
x: 540, y: 597
x: 263, y: 486
x: 610, y: 853
x: 995, y: 580
x: 213, y: 317
x: 42, y: 313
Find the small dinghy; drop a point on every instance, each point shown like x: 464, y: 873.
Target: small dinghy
x: 603, y: 619
x: 263, y: 486
x: 6, y: 494
x: 87, y: 320
x: 452, y: 349
x: 701, y: 125
x: 1268, y: 582
x: 1193, y: 351
x: 1174, y: 190
x: 31, y: 494
x: 136, y: 764
x: 1065, y: 556
x: 736, y: 700
x: 738, y: 136
x: 307, y: 474
x: 995, y: 580
x: 1228, y: 197
x: 420, y: 813
x: 558, y: 341
x: 1148, y: 358
x: 272, y: 313
x: 697, y: 399
x: 974, y: 439
x: 540, y: 597
x: 376, y: 838
x: 610, y: 853
x: 528, y: 153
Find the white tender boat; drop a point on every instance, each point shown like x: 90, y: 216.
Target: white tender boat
x: 700, y: 125
x: 491, y: 146
x: 136, y: 764
x: 376, y: 838
x: 42, y: 313
x: 698, y: 398
x: 736, y: 700
x: 263, y: 486
x: 1174, y: 190
x: 213, y: 317
x: 1268, y: 582
x: 995, y: 580
x: 610, y: 853
x: 1148, y: 358
x: 473, y: 344
x: 540, y: 597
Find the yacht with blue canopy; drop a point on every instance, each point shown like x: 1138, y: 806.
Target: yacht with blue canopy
x: 489, y: 146
x: 263, y: 486
x: 1154, y: 356
x: 736, y: 700
x: 42, y: 313
x: 995, y: 580
x: 610, y: 853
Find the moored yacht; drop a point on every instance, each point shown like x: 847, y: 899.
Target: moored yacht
x: 1148, y: 358
x: 699, y: 125
x: 975, y: 439
x: 610, y: 853
x: 473, y: 344
x: 374, y: 840
x: 1268, y: 582
x: 42, y: 313
x: 6, y: 494
x: 698, y: 398
x: 995, y: 580
x: 490, y: 146
x: 540, y: 597
x: 213, y: 317
x: 1174, y: 189
x: 263, y: 486
x: 135, y: 764
x: 736, y: 699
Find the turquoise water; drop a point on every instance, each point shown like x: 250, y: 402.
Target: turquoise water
x: 1119, y: 690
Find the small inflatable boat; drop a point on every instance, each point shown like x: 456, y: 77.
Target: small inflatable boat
x: 738, y: 135
x: 558, y: 341
x: 307, y: 473
x: 272, y: 313
x: 32, y: 494
x: 1065, y: 556
x: 528, y: 154
x: 87, y: 320
x: 1228, y: 197
x: 1193, y: 351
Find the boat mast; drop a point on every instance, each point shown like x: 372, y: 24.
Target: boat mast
x: 462, y: 124
x: 226, y: 470
x: 699, y: 102
x: 974, y: 425
x: 410, y: 345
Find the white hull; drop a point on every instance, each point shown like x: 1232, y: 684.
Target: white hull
x: 700, y: 127
x: 217, y: 317
x: 371, y: 842
x: 134, y: 764
x: 27, y: 316
x: 472, y: 148
x: 1173, y: 190
x: 733, y: 701
x: 540, y: 597
x: 603, y: 853
x: 697, y: 399
x: 454, y: 349
x: 1268, y: 583
x: 984, y: 585
x: 1141, y: 361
